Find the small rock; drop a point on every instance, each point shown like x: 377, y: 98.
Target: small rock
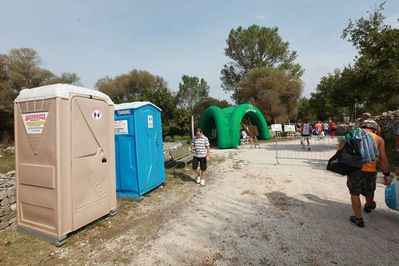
x: 13, y: 207
x: 12, y: 199
x: 12, y: 221
x: 11, y: 192
x: 5, y: 203
x: 4, y: 211
x: 3, y: 225
x: 10, y: 174
x: 3, y: 194
x: 10, y: 149
x: 4, y: 218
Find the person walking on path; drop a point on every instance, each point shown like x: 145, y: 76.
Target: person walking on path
x: 325, y: 129
x: 363, y: 181
x: 367, y: 116
x: 201, y: 148
x: 332, y: 128
x: 306, y: 131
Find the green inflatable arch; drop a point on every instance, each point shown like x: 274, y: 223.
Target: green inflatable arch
x: 227, y: 123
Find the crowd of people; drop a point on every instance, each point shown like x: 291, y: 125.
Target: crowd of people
x: 319, y: 128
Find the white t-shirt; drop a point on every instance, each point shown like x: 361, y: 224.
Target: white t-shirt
x: 306, y: 129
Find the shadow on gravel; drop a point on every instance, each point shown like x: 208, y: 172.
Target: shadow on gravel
x: 183, y: 176
x: 276, y: 229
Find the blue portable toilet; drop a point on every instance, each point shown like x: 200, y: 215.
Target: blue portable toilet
x: 138, y: 149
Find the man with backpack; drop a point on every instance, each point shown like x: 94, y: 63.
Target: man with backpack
x: 363, y: 181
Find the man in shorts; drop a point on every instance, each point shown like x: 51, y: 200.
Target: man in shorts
x: 306, y: 131
x: 201, y: 149
x: 363, y: 181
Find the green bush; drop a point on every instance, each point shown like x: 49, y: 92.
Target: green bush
x: 176, y: 138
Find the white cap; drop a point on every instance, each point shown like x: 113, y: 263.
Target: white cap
x: 58, y: 91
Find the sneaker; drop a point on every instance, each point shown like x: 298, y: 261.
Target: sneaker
x: 203, y: 182
x: 370, y: 208
x: 198, y: 180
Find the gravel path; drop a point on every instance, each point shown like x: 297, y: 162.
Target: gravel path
x: 252, y: 212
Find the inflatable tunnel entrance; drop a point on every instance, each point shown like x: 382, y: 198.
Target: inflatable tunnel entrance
x: 226, y: 124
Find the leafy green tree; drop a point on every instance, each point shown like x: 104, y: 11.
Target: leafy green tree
x: 378, y: 60
x: 255, y: 47
x: 139, y: 85
x: 205, y: 103
x: 19, y: 69
x: 175, y: 121
x: 274, y: 91
x: 304, y: 110
x: 131, y: 86
x: 192, y: 90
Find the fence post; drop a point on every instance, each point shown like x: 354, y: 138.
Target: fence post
x: 277, y: 162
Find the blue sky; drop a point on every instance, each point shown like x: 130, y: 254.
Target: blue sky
x: 172, y: 38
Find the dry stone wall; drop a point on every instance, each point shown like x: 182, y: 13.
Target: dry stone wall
x: 7, y: 200
x: 388, y: 122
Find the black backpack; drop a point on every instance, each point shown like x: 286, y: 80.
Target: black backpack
x: 348, y: 159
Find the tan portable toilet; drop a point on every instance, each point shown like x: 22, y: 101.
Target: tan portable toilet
x: 65, y: 166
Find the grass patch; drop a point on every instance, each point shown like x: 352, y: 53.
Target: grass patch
x: 215, y: 159
x: 142, y: 219
x: 121, y: 259
x: 7, y: 161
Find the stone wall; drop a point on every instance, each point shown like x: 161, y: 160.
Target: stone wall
x: 7, y: 200
x: 388, y: 122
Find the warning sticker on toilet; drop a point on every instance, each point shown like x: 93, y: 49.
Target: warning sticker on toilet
x: 120, y: 127
x: 34, y: 122
x: 150, y: 121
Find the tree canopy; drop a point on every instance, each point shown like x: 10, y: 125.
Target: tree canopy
x: 20, y: 69
x: 372, y: 82
x: 192, y: 90
x: 255, y: 47
x: 274, y: 91
x: 140, y: 85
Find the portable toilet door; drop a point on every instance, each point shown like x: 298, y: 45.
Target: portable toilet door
x: 150, y: 147
x: 139, y: 151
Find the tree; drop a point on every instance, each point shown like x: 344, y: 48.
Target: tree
x: 274, y: 91
x: 175, y: 121
x: 139, y: 85
x: 192, y: 90
x: 378, y: 61
x: 255, y: 47
x: 131, y: 86
x: 304, y: 110
x: 68, y: 78
x: 205, y: 103
x: 19, y: 69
